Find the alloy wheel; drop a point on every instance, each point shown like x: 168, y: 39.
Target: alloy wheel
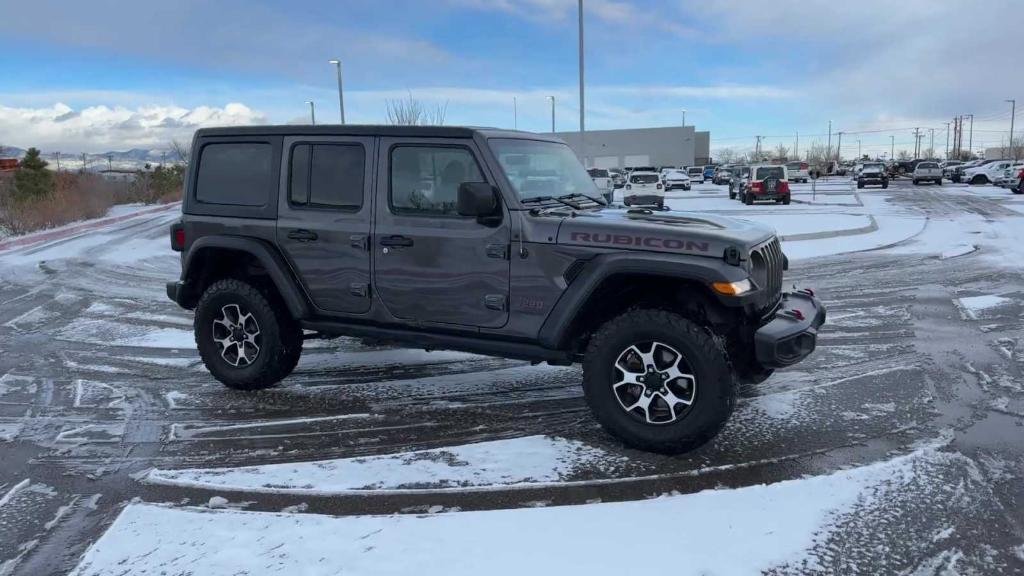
x: 237, y: 333
x: 653, y: 382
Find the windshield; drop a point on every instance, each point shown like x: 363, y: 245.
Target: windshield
x: 769, y: 172
x: 696, y: 171
x: 927, y: 165
x: 872, y: 167
x: 598, y: 173
x: 536, y: 168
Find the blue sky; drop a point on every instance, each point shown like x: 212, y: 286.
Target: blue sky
x: 105, y: 74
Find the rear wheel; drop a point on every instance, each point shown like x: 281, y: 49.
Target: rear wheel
x: 786, y: 200
x: 860, y: 183
x: 748, y: 199
x: 916, y: 183
x: 885, y: 184
x: 244, y: 341
x: 938, y: 181
x: 658, y: 381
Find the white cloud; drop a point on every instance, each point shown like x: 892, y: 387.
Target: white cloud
x: 101, y: 128
x: 617, y: 13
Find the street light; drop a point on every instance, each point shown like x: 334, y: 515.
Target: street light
x: 1013, y: 112
x: 312, y: 112
x: 684, y: 117
x: 341, y: 96
x: 552, y: 98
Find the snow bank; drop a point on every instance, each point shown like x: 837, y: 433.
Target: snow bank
x: 741, y: 531
x: 497, y: 464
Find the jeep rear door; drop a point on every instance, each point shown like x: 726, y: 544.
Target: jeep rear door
x: 324, y: 216
x: 430, y: 264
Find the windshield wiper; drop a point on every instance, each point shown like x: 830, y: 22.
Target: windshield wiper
x: 568, y: 197
x: 549, y: 200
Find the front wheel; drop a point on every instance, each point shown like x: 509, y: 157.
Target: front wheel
x: 748, y: 199
x: 244, y: 341
x: 658, y: 381
x: 785, y: 201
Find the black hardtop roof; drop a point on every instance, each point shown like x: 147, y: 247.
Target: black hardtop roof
x: 372, y: 130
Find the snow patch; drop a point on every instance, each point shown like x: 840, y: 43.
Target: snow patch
x: 978, y: 307
x: 528, y: 461
x: 742, y: 531
x: 958, y: 250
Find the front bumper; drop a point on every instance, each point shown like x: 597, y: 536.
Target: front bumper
x: 793, y: 334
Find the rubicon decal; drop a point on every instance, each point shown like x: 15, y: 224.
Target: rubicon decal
x: 653, y: 242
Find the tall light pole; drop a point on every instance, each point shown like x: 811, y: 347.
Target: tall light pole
x: 830, y: 141
x: 515, y: 114
x: 552, y: 98
x: 947, y: 140
x: 684, y: 117
x: 312, y: 112
x: 970, y: 136
x: 858, y: 150
x: 796, y: 147
x: 839, y: 147
x: 1013, y: 112
x: 58, y: 161
x: 931, y: 146
x: 583, y: 147
x: 892, y: 147
x: 341, y: 94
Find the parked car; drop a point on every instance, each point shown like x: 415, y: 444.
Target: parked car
x: 927, y: 172
x: 722, y: 176
x: 798, y: 171
x: 739, y: 179
x: 985, y: 173
x: 603, y: 180
x: 767, y: 182
x: 948, y: 167
x: 958, y: 171
x: 873, y: 174
x: 675, y: 180
x: 696, y: 174
x: 709, y: 171
x: 618, y: 177
x: 264, y: 272
x: 644, y: 188
x: 1009, y: 176
x: 1019, y: 189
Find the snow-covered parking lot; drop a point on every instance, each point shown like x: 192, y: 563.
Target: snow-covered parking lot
x: 896, y: 448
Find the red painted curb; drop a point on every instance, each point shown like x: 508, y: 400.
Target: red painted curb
x: 72, y: 230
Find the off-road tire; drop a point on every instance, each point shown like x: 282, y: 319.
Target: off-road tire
x: 732, y: 195
x: 860, y: 184
x: 715, y: 387
x: 885, y: 184
x: 748, y: 199
x: 916, y: 183
x: 938, y: 182
x: 785, y: 201
x: 281, y: 342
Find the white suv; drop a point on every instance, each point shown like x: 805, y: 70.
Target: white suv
x: 644, y: 188
x: 986, y: 173
x: 696, y: 174
x: 798, y: 171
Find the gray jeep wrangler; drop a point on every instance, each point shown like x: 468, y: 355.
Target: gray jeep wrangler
x: 483, y: 240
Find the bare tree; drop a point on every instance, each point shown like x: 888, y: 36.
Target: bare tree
x: 181, y: 151
x: 904, y: 155
x: 781, y: 152
x: 412, y: 112
x: 727, y: 155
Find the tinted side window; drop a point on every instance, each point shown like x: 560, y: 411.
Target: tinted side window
x: 327, y: 175
x: 426, y: 179
x: 239, y: 174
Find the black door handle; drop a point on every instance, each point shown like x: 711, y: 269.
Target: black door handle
x: 396, y: 241
x: 303, y: 235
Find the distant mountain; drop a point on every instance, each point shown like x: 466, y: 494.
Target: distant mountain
x: 11, y: 152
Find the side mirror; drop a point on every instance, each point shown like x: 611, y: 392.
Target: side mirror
x: 477, y: 199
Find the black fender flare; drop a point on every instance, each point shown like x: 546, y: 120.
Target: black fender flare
x: 275, y: 265
x: 700, y: 269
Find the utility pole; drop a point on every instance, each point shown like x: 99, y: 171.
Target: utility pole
x: 85, y: 162
x: 684, y: 117
x: 552, y: 98
x: 947, y: 140
x: 312, y: 112
x: 1013, y: 112
x: 915, y: 142
x: 341, y: 95
x: 858, y: 150
x: 796, y: 147
x: 892, y: 147
x: 515, y: 114
x: 163, y: 158
x: 110, y: 162
x: 757, y: 149
x: 839, y: 147
x: 970, y: 136
x: 932, y: 145
x: 58, y: 161
x: 583, y: 147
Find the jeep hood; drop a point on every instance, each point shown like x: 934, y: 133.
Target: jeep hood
x: 657, y: 231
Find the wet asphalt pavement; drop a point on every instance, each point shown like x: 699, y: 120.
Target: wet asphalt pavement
x: 95, y: 387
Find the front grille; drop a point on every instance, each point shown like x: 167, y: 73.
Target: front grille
x: 766, y: 271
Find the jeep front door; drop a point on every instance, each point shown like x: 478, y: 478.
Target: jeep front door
x: 323, y: 223
x: 430, y: 264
